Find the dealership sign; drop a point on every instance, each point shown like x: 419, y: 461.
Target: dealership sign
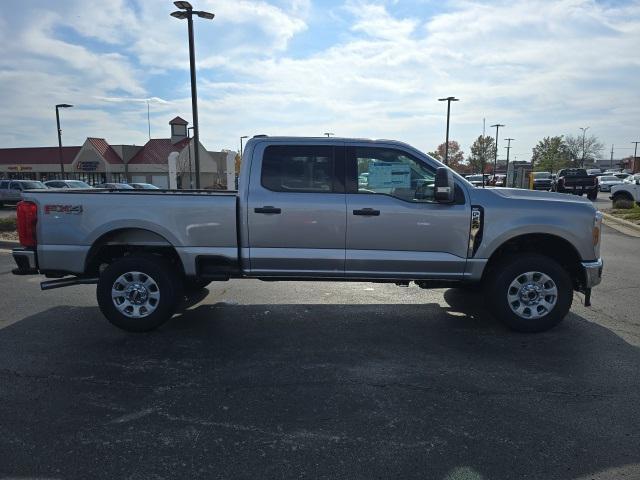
x: 87, y: 166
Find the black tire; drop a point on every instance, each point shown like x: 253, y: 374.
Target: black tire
x: 195, y: 284
x: 593, y: 195
x: 505, y: 274
x: 161, y: 274
x: 622, y: 196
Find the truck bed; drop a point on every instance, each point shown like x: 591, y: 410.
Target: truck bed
x: 195, y: 222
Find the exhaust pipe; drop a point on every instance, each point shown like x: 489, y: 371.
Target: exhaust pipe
x: 67, y: 282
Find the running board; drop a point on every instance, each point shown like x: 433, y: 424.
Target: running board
x: 66, y: 282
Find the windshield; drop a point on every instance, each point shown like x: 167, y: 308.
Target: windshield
x: 541, y: 175
x: 33, y: 185
x: 609, y: 179
x: 123, y: 186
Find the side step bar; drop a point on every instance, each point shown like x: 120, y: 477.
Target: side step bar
x: 67, y: 282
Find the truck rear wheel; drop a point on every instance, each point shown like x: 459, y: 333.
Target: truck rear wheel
x: 137, y: 293
x: 529, y: 292
x: 592, y: 195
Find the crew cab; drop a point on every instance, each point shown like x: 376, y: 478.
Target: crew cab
x: 11, y: 190
x: 302, y: 212
x: 576, y: 181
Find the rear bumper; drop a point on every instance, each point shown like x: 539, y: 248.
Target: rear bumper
x: 592, y: 272
x: 26, y: 261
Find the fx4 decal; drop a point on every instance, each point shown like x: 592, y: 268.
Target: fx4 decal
x: 68, y: 209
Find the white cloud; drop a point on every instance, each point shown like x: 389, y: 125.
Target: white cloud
x: 541, y: 67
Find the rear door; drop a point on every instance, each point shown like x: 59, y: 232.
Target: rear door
x: 395, y: 228
x: 296, y: 210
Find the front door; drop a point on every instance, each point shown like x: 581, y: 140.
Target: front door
x: 297, y: 211
x: 395, y: 228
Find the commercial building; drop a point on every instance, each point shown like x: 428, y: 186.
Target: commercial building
x: 97, y: 161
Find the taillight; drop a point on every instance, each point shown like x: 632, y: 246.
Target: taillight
x: 27, y: 213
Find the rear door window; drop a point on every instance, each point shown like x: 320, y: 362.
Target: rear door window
x: 301, y: 169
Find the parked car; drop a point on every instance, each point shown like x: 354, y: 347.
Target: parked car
x: 11, y: 190
x: 594, y: 172
x: 632, y: 178
x: 576, y: 181
x: 476, y: 180
x: 115, y: 186
x: 499, y: 180
x: 66, y: 184
x: 607, y: 181
x: 143, y: 186
x: 300, y: 214
x: 542, y: 181
x: 622, y: 175
x: 627, y: 191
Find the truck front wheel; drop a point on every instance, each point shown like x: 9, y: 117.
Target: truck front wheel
x: 137, y: 293
x: 529, y: 292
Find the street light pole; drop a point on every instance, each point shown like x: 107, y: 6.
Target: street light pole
x: 495, y: 160
x: 446, y: 142
x: 584, y: 132
x: 58, y: 107
x: 190, y: 172
x: 242, y: 138
x: 186, y: 11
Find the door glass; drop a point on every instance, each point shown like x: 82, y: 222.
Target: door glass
x: 298, y: 168
x: 15, y: 186
x: 394, y: 172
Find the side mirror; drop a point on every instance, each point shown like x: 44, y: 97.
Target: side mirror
x: 445, y: 188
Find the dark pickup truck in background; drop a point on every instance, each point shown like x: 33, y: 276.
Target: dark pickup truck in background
x: 576, y: 181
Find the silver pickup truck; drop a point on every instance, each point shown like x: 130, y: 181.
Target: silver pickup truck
x: 317, y: 209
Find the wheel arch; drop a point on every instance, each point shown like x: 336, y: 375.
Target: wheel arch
x: 559, y: 249
x: 125, y: 241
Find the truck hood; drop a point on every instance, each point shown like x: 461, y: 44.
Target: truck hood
x: 521, y: 194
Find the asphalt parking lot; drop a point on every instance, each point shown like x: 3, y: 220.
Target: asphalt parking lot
x: 321, y: 380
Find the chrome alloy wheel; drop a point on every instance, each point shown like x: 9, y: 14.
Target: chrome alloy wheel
x: 532, y: 295
x: 135, y: 294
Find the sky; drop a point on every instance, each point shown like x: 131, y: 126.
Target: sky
x: 356, y: 68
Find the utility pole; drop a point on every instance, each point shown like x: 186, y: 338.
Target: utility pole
x: 635, y: 155
x: 611, y: 161
x: 446, y: 142
x: 508, y: 147
x: 584, y: 132
x: 495, y: 160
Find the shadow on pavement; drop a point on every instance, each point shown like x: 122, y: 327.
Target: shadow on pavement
x: 311, y: 391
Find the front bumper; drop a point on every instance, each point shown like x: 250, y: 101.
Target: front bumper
x: 26, y: 261
x: 592, y: 273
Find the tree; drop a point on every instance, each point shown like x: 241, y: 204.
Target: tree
x: 592, y: 149
x: 551, y: 154
x: 482, y: 152
x: 435, y: 155
x: 456, y: 156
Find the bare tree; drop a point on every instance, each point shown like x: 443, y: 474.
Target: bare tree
x: 586, y: 152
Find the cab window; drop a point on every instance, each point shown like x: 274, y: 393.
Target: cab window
x: 393, y: 172
x: 299, y: 168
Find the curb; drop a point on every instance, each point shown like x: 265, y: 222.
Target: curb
x: 621, y: 222
x: 8, y: 244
